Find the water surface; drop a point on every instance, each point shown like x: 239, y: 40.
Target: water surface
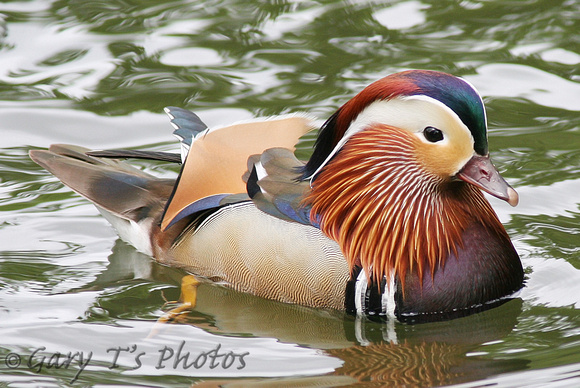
x: 98, y: 74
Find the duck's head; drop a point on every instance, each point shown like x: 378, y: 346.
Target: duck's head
x: 396, y: 172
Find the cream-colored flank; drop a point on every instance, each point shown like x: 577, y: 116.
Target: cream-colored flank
x: 251, y: 251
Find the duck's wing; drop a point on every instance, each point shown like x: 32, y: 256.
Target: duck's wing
x: 275, y: 187
x: 217, y: 159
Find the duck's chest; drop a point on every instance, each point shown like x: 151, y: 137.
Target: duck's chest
x: 483, y: 272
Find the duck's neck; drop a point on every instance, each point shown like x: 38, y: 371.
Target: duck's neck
x: 388, y: 215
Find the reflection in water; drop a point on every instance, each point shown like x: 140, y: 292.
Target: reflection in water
x: 431, y: 354
x: 417, y: 365
x: 412, y: 355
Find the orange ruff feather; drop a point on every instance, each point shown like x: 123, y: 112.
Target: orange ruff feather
x: 387, y: 212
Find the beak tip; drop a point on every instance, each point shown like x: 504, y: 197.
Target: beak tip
x: 513, y: 197
x: 480, y: 172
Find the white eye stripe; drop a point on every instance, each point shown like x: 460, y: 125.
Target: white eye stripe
x: 413, y: 113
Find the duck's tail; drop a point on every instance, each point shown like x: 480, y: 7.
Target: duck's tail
x: 131, y: 200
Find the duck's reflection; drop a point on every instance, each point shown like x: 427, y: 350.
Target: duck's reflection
x: 394, y: 354
x: 430, y: 354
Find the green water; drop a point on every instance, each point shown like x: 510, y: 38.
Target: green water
x: 98, y: 74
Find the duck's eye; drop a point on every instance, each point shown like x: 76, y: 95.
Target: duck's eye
x: 433, y: 134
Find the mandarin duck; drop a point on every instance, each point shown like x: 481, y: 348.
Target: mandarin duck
x: 386, y: 219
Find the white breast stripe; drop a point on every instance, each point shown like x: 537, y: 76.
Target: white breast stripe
x: 360, y: 290
x: 400, y: 112
x: 388, y: 298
